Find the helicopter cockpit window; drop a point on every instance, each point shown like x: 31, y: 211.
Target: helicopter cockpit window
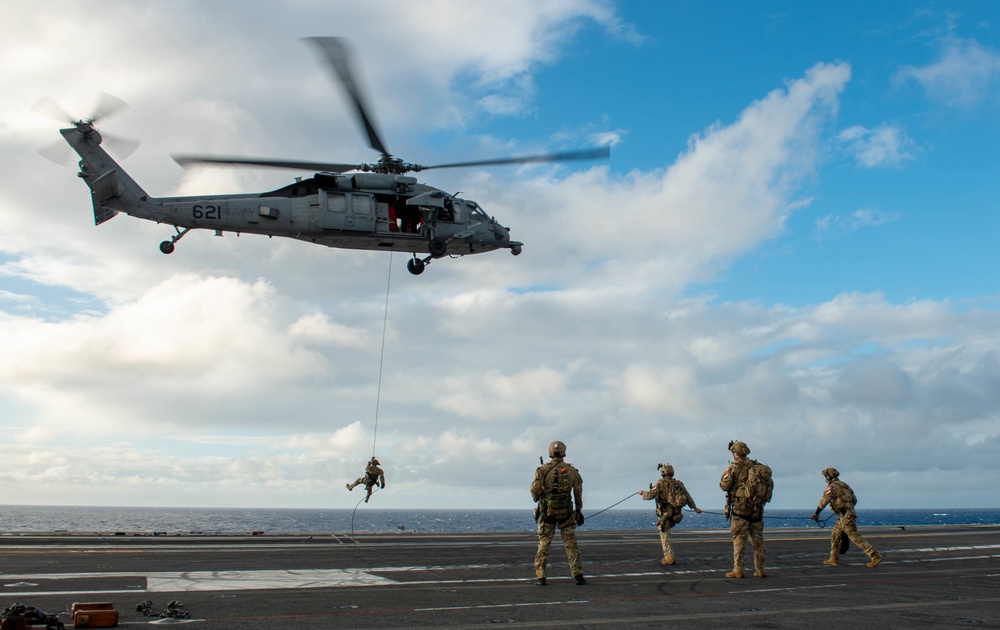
x: 476, y: 213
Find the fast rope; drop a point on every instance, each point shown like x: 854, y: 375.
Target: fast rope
x: 610, y: 506
x: 532, y: 535
x: 378, y: 391
x: 381, y: 356
x: 820, y: 523
x: 356, y: 506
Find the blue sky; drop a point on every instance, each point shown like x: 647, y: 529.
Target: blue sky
x: 792, y: 244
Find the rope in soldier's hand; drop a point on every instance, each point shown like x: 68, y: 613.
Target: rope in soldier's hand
x: 704, y: 511
x: 821, y: 522
x: 611, y: 506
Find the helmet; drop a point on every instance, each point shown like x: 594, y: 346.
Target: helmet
x: 557, y: 449
x: 374, y: 461
x: 666, y: 470
x: 739, y: 448
x: 831, y: 473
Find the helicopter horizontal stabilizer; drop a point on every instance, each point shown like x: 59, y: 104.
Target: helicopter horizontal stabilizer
x: 104, y: 189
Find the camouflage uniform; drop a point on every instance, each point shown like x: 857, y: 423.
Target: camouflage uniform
x: 747, y: 519
x: 840, y: 497
x: 374, y: 476
x: 542, y: 491
x: 668, y: 492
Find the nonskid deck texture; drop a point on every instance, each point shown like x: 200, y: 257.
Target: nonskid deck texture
x: 931, y: 577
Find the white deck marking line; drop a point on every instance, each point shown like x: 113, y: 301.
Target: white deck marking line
x: 181, y: 581
x: 161, y: 582
x: 103, y: 592
x: 787, y: 588
x: 514, y: 605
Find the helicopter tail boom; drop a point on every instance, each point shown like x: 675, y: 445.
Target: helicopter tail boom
x: 112, y: 189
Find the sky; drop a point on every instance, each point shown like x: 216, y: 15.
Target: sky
x: 791, y: 245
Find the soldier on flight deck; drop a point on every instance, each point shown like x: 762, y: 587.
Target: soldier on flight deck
x: 374, y: 476
x: 671, y: 496
x: 556, y: 487
x: 745, y: 506
x: 841, y: 499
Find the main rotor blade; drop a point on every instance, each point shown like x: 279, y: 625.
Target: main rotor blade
x: 334, y: 50
x: 187, y: 160
x: 567, y: 156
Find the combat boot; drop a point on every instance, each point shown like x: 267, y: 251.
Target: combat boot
x: 830, y: 561
x: 760, y: 573
x: 668, y: 560
x: 540, y: 581
x: 876, y: 558
x: 579, y: 580
x: 349, y: 487
x: 735, y: 574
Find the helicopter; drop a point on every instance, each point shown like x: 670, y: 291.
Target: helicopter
x: 362, y: 206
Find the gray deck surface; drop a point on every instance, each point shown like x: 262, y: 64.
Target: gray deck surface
x: 931, y: 577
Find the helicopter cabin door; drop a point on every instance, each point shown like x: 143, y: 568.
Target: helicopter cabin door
x: 354, y: 212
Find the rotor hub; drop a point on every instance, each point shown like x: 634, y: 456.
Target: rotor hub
x: 388, y: 165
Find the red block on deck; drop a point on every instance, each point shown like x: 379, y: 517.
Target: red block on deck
x: 94, y: 615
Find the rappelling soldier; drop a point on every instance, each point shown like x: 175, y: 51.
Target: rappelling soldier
x: 557, y: 487
x: 748, y: 486
x: 374, y: 476
x: 841, y: 500
x: 671, y: 496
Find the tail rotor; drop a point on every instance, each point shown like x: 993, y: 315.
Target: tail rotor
x: 107, y: 105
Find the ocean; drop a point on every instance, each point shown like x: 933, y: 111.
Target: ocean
x: 16, y: 519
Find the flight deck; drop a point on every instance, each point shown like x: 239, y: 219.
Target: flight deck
x: 932, y: 576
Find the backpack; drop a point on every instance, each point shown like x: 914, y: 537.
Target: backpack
x: 757, y: 486
x: 672, y: 493
x: 669, y: 502
x: 843, y: 495
x: 557, y: 486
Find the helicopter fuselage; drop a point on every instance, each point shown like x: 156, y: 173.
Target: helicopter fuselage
x: 366, y: 211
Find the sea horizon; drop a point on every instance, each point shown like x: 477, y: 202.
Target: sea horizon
x: 200, y: 520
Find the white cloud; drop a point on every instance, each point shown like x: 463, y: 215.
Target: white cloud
x: 965, y: 74
x: 249, y: 371
x: 884, y: 146
x: 861, y: 218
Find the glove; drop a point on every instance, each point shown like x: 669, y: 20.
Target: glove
x: 383, y: 485
x: 815, y: 516
x: 579, y: 518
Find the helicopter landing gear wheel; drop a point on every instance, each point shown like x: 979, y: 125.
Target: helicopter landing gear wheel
x: 167, y: 247
x: 415, y: 266
x: 437, y: 247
